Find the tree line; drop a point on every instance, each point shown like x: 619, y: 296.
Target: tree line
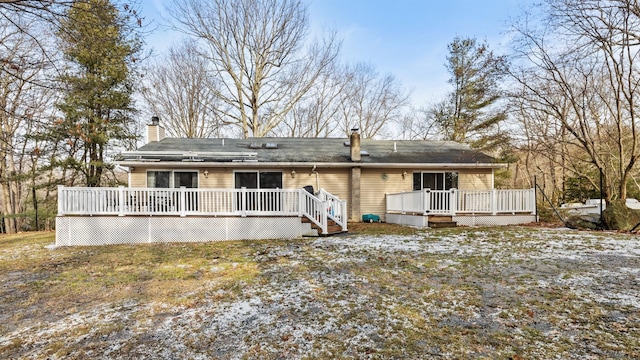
x: 77, y: 83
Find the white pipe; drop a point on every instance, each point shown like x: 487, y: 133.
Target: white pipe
x: 314, y: 171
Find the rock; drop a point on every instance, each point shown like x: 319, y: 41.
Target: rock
x: 584, y: 221
x: 617, y: 216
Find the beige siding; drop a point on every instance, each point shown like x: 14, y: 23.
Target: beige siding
x: 138, y: 178
x: 152, y: 133
x: 219, y: 178
x: 335, y: 181
x: 476, y: 179
x: 155, y: 133
x: 378, y: 182
x: 375, y: 182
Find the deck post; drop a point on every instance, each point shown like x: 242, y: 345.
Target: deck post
x: 494, y: 202
x: 532, y: 200
x: 426, y: 201
x: 61, y: 200
x: 182, y: 208
x: 121, y: 202
x: 323, y: 216
x: 453, y: 201
x: 243, y: 202
x: 300, y: 201
x: 343, y: 214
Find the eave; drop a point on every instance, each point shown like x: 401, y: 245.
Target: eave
x: 254, y: 164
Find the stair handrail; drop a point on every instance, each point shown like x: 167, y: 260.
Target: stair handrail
x: 314, y: 209
x: 336, y: 208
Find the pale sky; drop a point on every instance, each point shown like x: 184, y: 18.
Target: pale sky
x: 405, y: 38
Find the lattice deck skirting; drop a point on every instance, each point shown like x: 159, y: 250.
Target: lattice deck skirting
x: 464, y: 220
x: 103, y: 230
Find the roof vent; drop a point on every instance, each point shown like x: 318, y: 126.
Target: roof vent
x: 255, y: 146
x: 270, y: 146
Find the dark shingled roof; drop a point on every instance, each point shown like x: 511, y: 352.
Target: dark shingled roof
x: 315, y: 150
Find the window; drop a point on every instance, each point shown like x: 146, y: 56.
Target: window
x: 258, y: 179
x: 168, y: 179
x: 188, y: 179
x: 258, y: 200
x: 435, y: 180
x: 158, y: 179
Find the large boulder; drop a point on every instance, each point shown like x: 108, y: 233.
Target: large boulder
x: 584, y: 222
x: 617, y: 216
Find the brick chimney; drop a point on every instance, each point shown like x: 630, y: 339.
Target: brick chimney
x: 355, y: 145
x: 155, y: 132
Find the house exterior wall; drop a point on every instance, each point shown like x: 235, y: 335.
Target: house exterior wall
x: 218, y: 178
x: 335, y: 181
x: 138, y: 178
x: 215, y: 180
x: 378, y: 182
x: 374, y: 182
x: 475, y: 179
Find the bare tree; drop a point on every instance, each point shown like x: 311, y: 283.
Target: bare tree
x: 583, y: 72
x: 371, y: 102
x: 179, y: 88
x: 22, y: 107
x: 418, y: 124
x: 318, y: 113
x: 256, y: 48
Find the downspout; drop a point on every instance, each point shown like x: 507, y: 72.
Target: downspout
x: 356, y: 174
x: 314, y: 171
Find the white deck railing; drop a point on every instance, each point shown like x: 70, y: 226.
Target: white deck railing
x: 454, y: 201
x: 243, y: 202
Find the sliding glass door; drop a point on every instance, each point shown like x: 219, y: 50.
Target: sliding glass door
x: 256, y: 200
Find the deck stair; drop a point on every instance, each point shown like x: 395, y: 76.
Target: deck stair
x: 332, y: 228
x: 441, y: 222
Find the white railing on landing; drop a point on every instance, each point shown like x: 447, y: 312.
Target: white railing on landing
x: 243, y: 202
x: 336, y: 209
x: 454, y: 201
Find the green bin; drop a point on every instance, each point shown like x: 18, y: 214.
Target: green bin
x: 370, y: 218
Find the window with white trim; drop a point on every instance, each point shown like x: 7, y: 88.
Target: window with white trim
x: 172, y: 179
x: 444, y: 180
x: 258, y: 179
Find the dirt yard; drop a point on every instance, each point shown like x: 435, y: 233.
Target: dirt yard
x: 383, y: 293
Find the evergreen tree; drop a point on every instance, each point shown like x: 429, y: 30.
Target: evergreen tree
x: 97, y: 86
x: 470, y: 113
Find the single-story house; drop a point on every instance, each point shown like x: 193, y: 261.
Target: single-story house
x: 402, y: 181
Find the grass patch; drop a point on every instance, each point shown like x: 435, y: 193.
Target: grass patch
x: 382, y: 292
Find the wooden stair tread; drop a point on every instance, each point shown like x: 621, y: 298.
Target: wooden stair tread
x: 332, y: 227
x: 443, y: 218
x: 442, y: 224
x: 305, y: 219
